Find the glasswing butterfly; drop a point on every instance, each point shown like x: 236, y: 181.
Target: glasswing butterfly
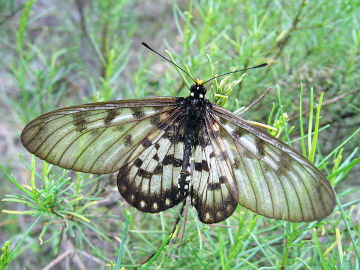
x: 167, y: 148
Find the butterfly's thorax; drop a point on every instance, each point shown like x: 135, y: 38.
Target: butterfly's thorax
x: 194, y: 111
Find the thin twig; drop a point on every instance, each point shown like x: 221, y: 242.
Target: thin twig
x: 80, y: 8
x: 61, y: 238
x: 281, y: 45
x: 254, y: 102
x: 294, y: 24
x: 58, y: 259
x: 75, y: 259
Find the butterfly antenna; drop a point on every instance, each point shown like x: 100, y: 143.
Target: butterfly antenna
x: 163, y: 57
x: 221, y: 75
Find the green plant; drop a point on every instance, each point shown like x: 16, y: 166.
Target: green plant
x: 47, y: 212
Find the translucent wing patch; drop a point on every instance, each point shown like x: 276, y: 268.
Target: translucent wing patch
x: 97, y: 138
x: 265, y: 175
x: 149, y: 179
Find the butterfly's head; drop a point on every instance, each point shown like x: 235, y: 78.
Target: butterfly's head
x: 198, y: 89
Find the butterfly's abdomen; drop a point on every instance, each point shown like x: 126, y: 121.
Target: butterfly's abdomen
x: 194, y: 122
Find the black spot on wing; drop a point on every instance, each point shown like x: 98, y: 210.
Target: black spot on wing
x: 260, y: 147
x: 284, y: 161
x: 198, y: 166
x: 146, y: 142
x: 236, y: 163
x: 158, y: 169
x: 119, y: 128
x: 110, y: 116
x: 95, y: 132
x: 154, y: 120
x: 175, y: 131
x: 144, y: 173
x: 214, y: 186
x: 80, y: 120
x: 170, y: 160
x: 171, y: 134
x: 205, y: 166
x: 138, y: 113
x: 128, y: 140
x: 138, y: 162
x: 284, y: 164
x: 223, y: 156
x: 222, y: 179
x: 177, y: 162
x: 238, y: 132
x: 201, y: 166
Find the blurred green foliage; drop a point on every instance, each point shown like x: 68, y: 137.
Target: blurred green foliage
x: 60, y: 53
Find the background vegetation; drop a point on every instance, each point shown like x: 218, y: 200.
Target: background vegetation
x: 59, y: 53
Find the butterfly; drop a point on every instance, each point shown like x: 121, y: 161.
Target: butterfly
x: 168, y: 148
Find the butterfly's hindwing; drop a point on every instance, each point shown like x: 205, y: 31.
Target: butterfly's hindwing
x: 210, y: 193
x: 95, y: 138
x: 270, y: 178
x: 149, y: 179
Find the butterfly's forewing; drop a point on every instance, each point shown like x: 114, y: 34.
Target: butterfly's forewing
x: 265, y: 175
x: 149, y: 178
x: 96, y: 138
